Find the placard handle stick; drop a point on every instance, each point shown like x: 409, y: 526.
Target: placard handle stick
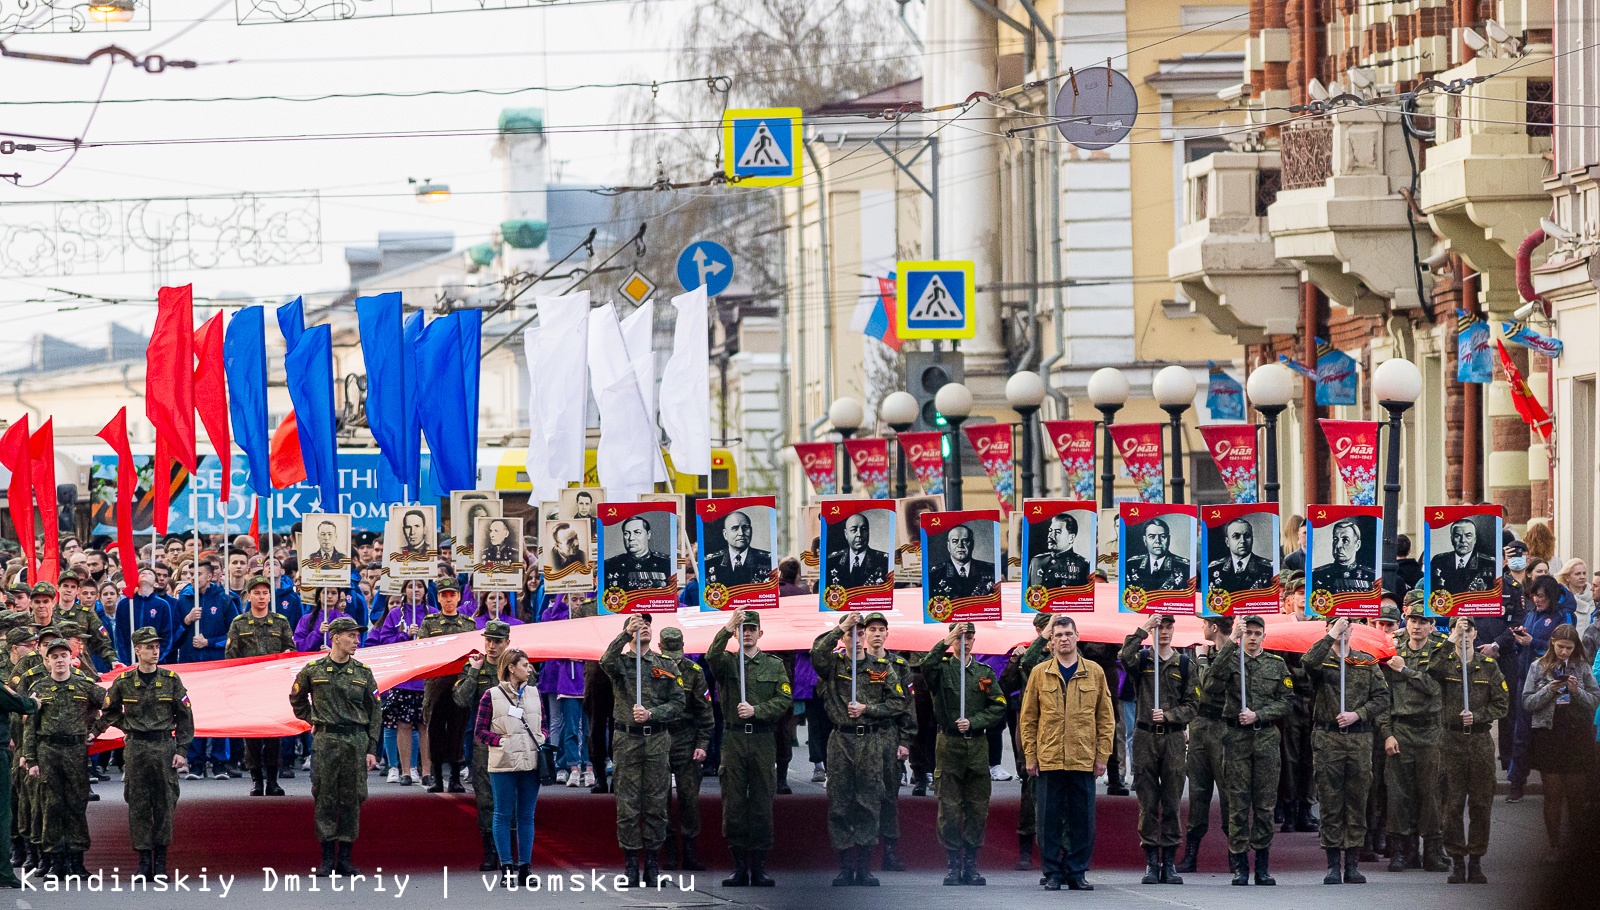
x: 1466, y: 681
x: 1155, y: 660
x: 852, y: 664
x: 638, y: 671
x: 1244, y: 702
x: 742, y: 699
x: 1344, y: 655
x: 963, y: 714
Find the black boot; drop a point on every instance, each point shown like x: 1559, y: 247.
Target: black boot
x: 864, y: 867
x: 969, y: 868
x: 1335, y: 874
x: 691, y: 862
x: 455, y: 780
x: 783, y: 780
x: 1475, y: 871
x: 257, y: 788
x: 272, y: 788
x: 1152, y: 867
x: 630, y: 866
x: 847, y: 869
x: 891, y: 856
x: 952, y: 864
x: 600, y: 777
x: 1414, y: 854
x: 1433, y: 858
x: 1352, y: 874
x: 1024, y: 851
x: 19, y: 852
x: 1191, y: 853
x: 491, y: 855
x: 1304, y: 820
x: 1458, y: 871
x: 161, y: 861
x: 1263, y: 873
x: 670, y: 852
x: 741, y: 871
x: 651, y: 873
x: 507, y: 874
x: 1399, y: 860
x: 47, y: 865
x: 326, y: 868
x: 919, y: 785
x: 1169, y: 872
x: 146, y: 865
x: 342, y: 864
x: 758, y: 870
x: 34, y: 860
x: 1239, y: 865
x: 525, y: 876
x: 77, y: 868
x: 436, y: 781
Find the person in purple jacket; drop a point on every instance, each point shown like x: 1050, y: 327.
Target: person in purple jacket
x: 496, y: 606
x: 402, y: 705
x: 312, y: 633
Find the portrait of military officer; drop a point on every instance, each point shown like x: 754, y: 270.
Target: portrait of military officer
x: 852, y: 560
x: 1237, y: 565
x: 327, y: 551
x: 1158, y: 568
x: 1058, y: 564
x: 565, y: 550
x: 1462, y: 566
x: 959, y: 572
x: 1343, y: 570
x: 632, y: 560
x: 740, y: 561
x: 414, y: 533
x: 324, y: 550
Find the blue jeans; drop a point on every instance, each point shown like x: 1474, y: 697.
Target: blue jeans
x: 515, y: 792
x: 574, y: 736
x: 200, y: 746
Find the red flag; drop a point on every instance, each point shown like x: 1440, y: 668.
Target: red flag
x: 115, y: 433
x: 42, y: 448
x: 161, y: 485
x: 169, y: 374
x: 1533, y: 413
x: 288, y: 467
x: 891, y: 335
x: 211, y: 395
x: 255, y: 519
x: 15, y: 455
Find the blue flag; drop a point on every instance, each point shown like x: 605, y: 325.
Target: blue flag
x: 471, y: 346
x: 309, y: 368
x: 391, y: 401
x: 442, y: 405
x: 1528, y: 338
x: 244, y: 358
x: 1474, y: 361
x: 1336, y: 376
x: 1224, y: 395
x: 292, y: 322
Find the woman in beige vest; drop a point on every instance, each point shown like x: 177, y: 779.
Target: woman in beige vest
x: 508, y: 725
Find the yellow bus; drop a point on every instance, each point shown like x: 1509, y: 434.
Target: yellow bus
x: 506, y: 470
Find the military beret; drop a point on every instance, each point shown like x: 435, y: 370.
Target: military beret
x: 19, y: 636
x: 495, y: 630
x: 1040, y: 620
x: 965, y: 628
x: 672, y: 639
x: 873, y: 617
x: 343, y: 624
x: 448, y: 583
x: 42, y: 589
x: 257, y: 581
x: 146, y: 635
x: 56, y: 644
x: 1254, y: 620
x: 751, y: 618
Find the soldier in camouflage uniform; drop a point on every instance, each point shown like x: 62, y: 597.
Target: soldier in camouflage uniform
x: 691, y: 737
x: 1388, y: 621
x: 23, y: 650
x: 1159, y: 751
x: 11, y: 703
x: 865, y: 698
x: 642, y: 748
x: 1013, y: 679
x: 476, y: 678
x: 1295, y: 778
x: 1250, y: 742
x: 894, y: 767
x: 447, y: 726
x: 55, y: 750
x: 96, y: 637
x: 1411, y: 736
x: 338, y: 696
x: 1467, y: 751
x: 1349, y: 703
x: 1205, y: 759
x: 749, y: 751
x: 20, y: 642
x: 151, y: 707
x: 259, y: 631
x: 961, y: 764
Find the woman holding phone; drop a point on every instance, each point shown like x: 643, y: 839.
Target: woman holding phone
x: 1560, y: 696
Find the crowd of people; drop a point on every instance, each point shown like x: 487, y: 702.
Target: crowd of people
x: 1390, y: 759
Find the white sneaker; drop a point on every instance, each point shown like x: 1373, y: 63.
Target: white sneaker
x: 574, y: 778
x: 562, y: 776
x: 394, y: 775
x: 999, y: 772
x: 588, y: 778
x: 306, y: 765
x: 193, y: 774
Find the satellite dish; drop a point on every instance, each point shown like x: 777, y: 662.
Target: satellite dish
x: 1096, y: 108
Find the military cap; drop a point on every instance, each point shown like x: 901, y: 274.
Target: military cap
x: 12, y: 618
x: 873, y: 617
x: 965, y: 628
x: 1254, y: 620
x: 448, y: 583
x: 751, y: 619
x: 1466, y: 619
x: 1292, y: 580
x: 69, y: 575
x: 68, y: 629
x: 56, y: 644
x: 18, y: 587
x: 343, y: 624
x: 257, y: 581
x: 19, y: 636
x: 1040, y: 620
x: 495, y: 630
x: 42, y: 589
x: 1389, y: 613
x: 672, y: 640
x: 146, y: 635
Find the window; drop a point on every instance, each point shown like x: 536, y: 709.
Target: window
x: 1219, y: 18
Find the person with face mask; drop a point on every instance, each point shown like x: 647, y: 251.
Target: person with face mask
x: 1560, y: 696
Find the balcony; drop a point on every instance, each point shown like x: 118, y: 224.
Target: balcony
x: 1224, y: 262
x: 1482, y: 189
x: 1341, y: 218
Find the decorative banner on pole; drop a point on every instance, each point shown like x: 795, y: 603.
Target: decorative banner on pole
x: 1298, y: 368
x: 1074, y: 442
x: 1155, y: 546
x: 1140, y: 447
x: 1354, y: 444
x: 1224, y: 395
x: 735, y: 538
x: 1233, y: 450
x: 992, y: 442
x: 638, y: 557
x: 1059, y: 538
x: 1461, y: 550
x: 820, y: 461
x: 1528, y: 407
x: 961, y: 566
x: 1519, y: 333
x: 925, y: 456
x: 1474, y: 363
x: 1344, y: 553
x: 870, y: 459
x: 858, y: 536
x: 1239, y: 548
x: 1336, y: 376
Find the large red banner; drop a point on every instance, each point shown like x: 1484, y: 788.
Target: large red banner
x: 1354, y: 444
x: 1233, y: 450
x: 925, y: 456
x: 819, y: 459
x: 992, y: 442
x: 1139, y: 444
x: 1074, y: 444
x: 870, y: 459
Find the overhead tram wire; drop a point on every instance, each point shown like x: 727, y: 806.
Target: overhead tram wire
x: 636, y: 242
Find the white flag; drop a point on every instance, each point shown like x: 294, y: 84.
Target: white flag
x: 686, y: 387
x: 627, y: 450
x: 638, y: 336
x: 608, y: 354
x: 562, y: 358
x: 545, y: 487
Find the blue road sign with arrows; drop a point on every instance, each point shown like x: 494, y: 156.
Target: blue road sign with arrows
x: 705, y: 262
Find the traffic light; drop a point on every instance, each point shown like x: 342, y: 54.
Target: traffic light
x: 926, y: 373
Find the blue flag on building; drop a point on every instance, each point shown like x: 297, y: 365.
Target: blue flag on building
x: 1528, y: 338
x: 1298, y: 368
x: 1336, y: 376
x: 442, y: 405
x: 244, y: 359
x: 1474, y: 360
x: 309, y: 369
x: 1224, y: 395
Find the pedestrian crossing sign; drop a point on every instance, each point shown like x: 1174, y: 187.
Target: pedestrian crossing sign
x: 934, y: 299
x: 761, y: 146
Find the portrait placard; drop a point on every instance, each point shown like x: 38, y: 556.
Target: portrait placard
x: 1239, y: 550
x: 498, y: 563
x: 736, y: 537
x: 1155, y: 552
x: 638, y: 557
x: 908, y: 514
x: 1058, y: 549
x: 324, y: 550
x: 1461, y: 551
x: 411, y: 542
x: 1013, y: 541
x: 580, y: 503
x: 680, y: 504
x: 466, y: 507
x: 858, y: 543
x: 960, y: 565
x: 1344, y: 552
x: 566, y: 557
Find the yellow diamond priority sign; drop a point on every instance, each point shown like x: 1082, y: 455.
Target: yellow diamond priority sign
x: 636, y: 287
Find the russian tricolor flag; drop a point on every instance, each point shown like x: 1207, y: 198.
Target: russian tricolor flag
x: 874, y: 315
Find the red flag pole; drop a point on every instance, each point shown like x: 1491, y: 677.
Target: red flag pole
x: 115, y: 433
x: 15, y: 454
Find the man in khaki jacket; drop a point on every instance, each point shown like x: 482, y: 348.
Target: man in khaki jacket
x: 1067, y: 727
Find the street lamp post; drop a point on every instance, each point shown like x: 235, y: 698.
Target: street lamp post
x: 899, y: 411
x: 1108, y: 392
x: 1270, y: 387
x: 954, y: 402
x: 1398, y: 384
x: 1025, y: 393
x: 1173, y: 389
x: 846, y: 416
